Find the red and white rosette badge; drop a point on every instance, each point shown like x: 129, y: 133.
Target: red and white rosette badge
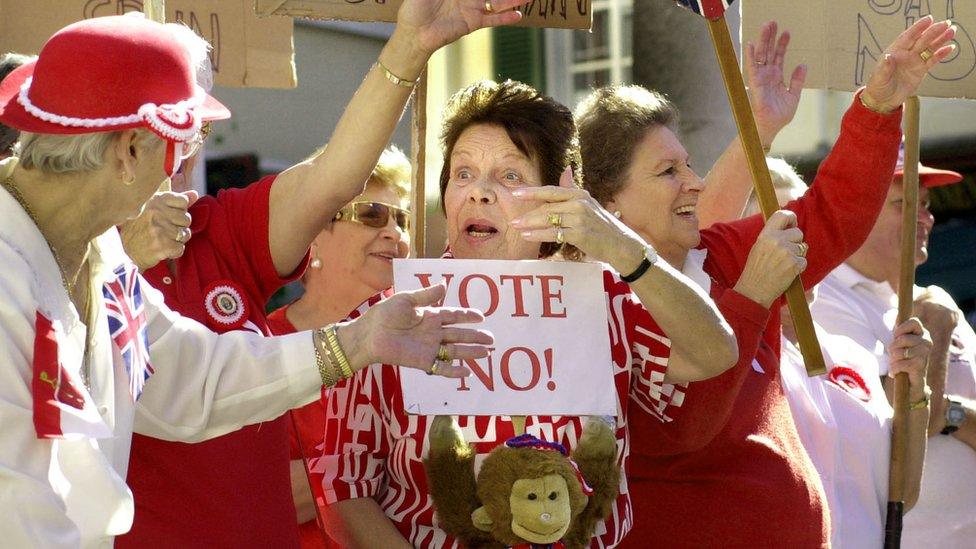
x: 851, y: 381
x: 226, y: 306
x: 177, y: 124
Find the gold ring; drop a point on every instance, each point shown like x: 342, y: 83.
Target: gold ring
x: 433, y: 368
x: 925, y: 55
x: 804, y: 247
x: 442, y: 355
x: 555, y: 219
x: 560, y: 237
x: 488, y: 8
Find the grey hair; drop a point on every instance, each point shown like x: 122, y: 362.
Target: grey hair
x: 85, y: 152
x: 784, y: 178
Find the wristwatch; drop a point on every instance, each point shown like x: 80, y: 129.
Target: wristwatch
x: 955, y: 414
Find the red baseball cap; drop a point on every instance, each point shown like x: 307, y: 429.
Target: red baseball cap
x: 927, y: 177
x: 107, y: 74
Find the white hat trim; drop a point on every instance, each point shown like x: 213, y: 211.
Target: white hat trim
x: 148, y: 113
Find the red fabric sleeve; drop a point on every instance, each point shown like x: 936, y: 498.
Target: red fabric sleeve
x: 707, y: 404
x: 840, y: 208
x: 247, y: 216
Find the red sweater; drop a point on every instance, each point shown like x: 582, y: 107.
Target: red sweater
x: 730, y: 470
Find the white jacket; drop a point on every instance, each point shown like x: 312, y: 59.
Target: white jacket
x: 70, y: 491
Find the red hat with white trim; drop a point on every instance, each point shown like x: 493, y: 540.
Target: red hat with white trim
x: 927, y: 177
x: 108, y: 74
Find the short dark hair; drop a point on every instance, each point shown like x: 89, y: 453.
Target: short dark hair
x: 612, y: 121
x: 540, y: 127
x: 9, y: 62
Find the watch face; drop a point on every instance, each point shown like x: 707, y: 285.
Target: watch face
x: 956, y: 415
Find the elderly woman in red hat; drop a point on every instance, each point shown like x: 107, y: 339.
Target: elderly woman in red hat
x: 107, y: 112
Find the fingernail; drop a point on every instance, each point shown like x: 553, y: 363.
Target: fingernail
x: 518, y: 192
x: 526, y: 234
x: 515, y: 222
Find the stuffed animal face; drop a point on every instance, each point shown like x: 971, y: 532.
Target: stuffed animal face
x: 541, y: 509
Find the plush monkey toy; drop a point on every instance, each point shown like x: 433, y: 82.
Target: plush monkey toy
x: 529, y: 493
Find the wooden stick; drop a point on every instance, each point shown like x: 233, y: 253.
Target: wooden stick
x: 518, y: 425
x: 418, y: 155
x: 155, y: 10
x: 763, y: 185
x: 906, y: 284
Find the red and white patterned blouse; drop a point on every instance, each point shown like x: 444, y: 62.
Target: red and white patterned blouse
x: 374, y: 449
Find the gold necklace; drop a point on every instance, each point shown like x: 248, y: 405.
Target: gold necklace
x: 69, y: 287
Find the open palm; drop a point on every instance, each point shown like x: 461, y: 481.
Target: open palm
x: 906, y: 62
x: 774, y: 103
x: 436, y: 23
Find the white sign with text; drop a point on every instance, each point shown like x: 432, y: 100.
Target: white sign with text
x: 552, y: 347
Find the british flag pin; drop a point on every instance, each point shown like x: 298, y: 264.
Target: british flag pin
x: 225, y: 305
x: 850, y: 381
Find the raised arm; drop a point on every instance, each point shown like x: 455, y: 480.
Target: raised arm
x: 207, y: 384
x: 728, y: 184
x: 307, y: 196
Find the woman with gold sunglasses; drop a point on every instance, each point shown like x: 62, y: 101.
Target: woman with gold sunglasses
x: 351, y: 261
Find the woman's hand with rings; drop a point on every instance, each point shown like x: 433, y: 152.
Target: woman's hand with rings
x: 774, y: 103
x: 909, y: 354
x: 572, y: 216
x: 409, y: 330
x: 905, y: 63
x: 162, y: 229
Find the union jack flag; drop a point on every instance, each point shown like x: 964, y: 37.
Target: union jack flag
x: 711, y: 9
x: 127, y: 324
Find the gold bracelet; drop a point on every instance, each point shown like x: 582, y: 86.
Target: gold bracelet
x: 327, y: 374
x: 402, y: 82
x: 867, y: 105
x: 337, y: 353
x: 921, y: 403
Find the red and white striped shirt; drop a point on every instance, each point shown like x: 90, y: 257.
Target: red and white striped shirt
x: 372, y: 448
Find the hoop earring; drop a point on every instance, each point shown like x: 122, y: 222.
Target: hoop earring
x: 127, y: 181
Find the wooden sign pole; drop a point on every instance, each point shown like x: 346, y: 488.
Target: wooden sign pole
x: 763, y: 185
x: 906, y: 284
x: 418, y: 157
x: 155, y: 10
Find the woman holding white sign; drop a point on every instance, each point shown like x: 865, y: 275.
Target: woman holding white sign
x: 732, y: 468
x: 503, y: 141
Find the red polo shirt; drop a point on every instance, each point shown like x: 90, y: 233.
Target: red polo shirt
x: 235, y: 490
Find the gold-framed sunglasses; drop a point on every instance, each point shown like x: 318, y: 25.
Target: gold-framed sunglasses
x: 374, y: 214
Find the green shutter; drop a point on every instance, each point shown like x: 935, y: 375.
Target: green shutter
x: 519, y: 54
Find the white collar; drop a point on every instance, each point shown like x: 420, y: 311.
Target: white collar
x: 694, y: 268
x: 851, y: 278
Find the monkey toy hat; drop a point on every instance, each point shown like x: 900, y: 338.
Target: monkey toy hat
x: 529, y: 493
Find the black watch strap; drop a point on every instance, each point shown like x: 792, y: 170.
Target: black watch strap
x: 949, y: 429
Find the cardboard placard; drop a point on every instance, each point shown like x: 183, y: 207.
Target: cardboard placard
x: 841, y: 40
x: 552, y: 348
x: 247, y: 51
x: 560, y: 14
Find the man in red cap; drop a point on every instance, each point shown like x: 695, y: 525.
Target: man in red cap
x: 859, y: 300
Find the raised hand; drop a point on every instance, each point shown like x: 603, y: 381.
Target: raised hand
x: 774, y: 103
x: 435, y: 23
x: 571, y: 215
x: 161, y: 231
x: 906, y: 62
x: 777, y: 257
x: 408, y: 330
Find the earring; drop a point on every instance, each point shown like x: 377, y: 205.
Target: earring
x: 315, y: 263
x: 616, y: 213
x: 127, y: 181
